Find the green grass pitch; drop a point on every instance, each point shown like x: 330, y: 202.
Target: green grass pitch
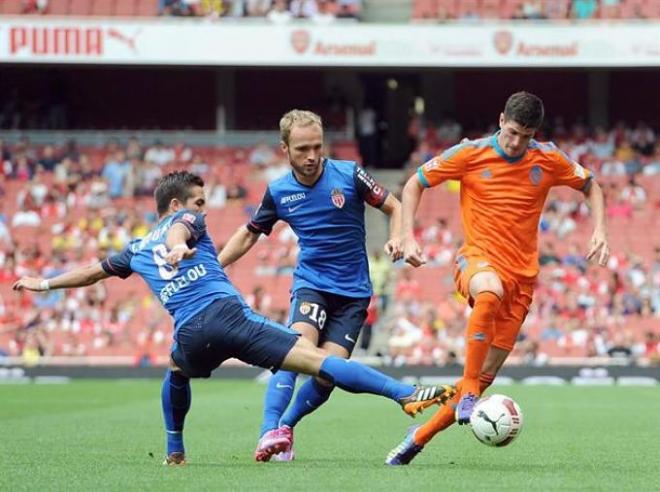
x: 107, y: 435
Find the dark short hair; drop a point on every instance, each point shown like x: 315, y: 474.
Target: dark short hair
x: 177, y: 185
x: 525, y: 109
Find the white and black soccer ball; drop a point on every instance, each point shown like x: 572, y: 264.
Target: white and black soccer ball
x: 496, y: 420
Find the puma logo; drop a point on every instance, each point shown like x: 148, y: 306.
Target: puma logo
x: 127, y: 40
x: 484, y: 415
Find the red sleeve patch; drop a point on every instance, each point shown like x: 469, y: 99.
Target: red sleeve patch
x: 188, y: 218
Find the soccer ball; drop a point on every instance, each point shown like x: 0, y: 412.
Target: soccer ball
x: 496, y: 420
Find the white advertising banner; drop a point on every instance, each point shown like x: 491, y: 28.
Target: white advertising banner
x: 167, y: 42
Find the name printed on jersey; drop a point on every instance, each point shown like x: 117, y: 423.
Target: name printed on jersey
x: 181, y: 282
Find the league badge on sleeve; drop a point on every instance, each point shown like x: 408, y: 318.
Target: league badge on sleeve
x: 190, y: 218
x: 338, y: 198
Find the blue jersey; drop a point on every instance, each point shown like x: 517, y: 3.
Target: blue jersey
x: 183, y: 290
x: 328, y: 218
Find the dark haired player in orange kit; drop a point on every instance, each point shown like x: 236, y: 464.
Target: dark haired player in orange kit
x: 505, y: 179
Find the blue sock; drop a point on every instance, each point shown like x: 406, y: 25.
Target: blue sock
x: 310, y: 396
x: 357, y: 378
x: 278, y: 396
x: 176, y: 403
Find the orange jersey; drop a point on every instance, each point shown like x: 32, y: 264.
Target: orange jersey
x: 502, y: 197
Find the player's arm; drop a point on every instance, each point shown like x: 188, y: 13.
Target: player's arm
x: 411, y: 196
x: 114, y: 266
x: 186, y: 229
x: 239, y: 243
x: 246, y: 236
x: 449, y: 165
x: 598, y: 246
x: 79, y: 277
x: 379, y: 197
x: 571, y: 173
x: 392, y: 208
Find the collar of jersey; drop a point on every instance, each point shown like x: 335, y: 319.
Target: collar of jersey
x: 317, y: 179
x: 504, y: 155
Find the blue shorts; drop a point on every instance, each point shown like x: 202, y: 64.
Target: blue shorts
x: 338, y: 319
x: 229, y: 328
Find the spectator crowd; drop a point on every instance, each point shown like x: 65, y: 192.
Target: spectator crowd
x: 66, y: 205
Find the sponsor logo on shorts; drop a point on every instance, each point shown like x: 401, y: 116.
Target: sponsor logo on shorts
x: 479, y: 336
x: 305, y: 308
x: 348, y: 338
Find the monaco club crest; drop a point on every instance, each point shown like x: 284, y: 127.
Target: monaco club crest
x: 300, y: 40
x: 503, y: 42
x: 338, y: 198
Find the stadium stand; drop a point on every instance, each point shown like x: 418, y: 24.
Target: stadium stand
x: 447, y: 10
x: 66, y: 206
x: 322, y: 10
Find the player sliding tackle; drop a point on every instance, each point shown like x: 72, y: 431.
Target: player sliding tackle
x: 212, y: 323
x: 505, y: 179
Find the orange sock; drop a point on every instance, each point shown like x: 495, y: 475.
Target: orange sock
x: 444, y: 417
x: 479, y: 336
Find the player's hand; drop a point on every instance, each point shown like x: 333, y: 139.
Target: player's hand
x: 178, y: 253
x: 393, y: 249
x: 599, y: 247
x: 29, y: 283
x: 412, y: 253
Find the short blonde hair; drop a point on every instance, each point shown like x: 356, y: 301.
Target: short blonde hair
x: 297, y: 117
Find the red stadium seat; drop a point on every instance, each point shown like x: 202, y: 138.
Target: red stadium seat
x: 147, y: 8
x: 125, y: 8
x: 632, y: 9
x: 11, y: 7
x: 491, y: 9
x: 508, y: 8
x: 103, y: 7
x: 447, y: 9
x: 58, y: 7
x: 468, y: 7
x: 80, y: 7
x: 651, y: 9
x: 424, y: 9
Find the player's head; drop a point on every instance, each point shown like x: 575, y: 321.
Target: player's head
x: 522, y: 116
x: 301, y: 133
x: 178, y: 190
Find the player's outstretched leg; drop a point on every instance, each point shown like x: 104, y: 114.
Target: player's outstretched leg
x: 417, y: 437
x: 355, y: 377
x: 278, y: 395
x: 176, y: 399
